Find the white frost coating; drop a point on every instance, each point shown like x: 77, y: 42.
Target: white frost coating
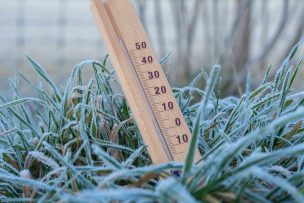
x: 25, y: 174
x: 44, y: 159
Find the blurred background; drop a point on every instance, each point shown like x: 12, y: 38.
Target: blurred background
x: 243, y: 36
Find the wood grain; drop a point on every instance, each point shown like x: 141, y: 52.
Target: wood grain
x: 157, y: 114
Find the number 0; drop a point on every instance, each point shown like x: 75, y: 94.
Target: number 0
x: 177, y: 121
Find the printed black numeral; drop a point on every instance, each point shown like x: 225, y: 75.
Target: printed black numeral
x: 160, y: 90
x: 147, y: 59
x: 177, y: 121
x: 168, y: 105
x: 140, y: 45
x: 153, y: 75
x: 182, y: 139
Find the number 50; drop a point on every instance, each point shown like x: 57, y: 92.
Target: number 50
x: 140, y: 45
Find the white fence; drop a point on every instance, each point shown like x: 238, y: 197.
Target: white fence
x: 61, y: 33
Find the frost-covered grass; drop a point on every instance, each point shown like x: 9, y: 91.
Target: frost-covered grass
x: 81, y: 144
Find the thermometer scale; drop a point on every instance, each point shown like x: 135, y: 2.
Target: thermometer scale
x: 156, y: 112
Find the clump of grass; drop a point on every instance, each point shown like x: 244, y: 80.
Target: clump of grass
x: 81, y: 144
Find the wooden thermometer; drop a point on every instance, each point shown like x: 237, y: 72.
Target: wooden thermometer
x: 157, y: 114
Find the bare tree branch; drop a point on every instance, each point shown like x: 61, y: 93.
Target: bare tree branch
x: 240, y: 49
x: 230, y: 37
x: 191, y: 31
x: 242, y: 6
x: 299, y: 33
x: 270, y: 44
x: 160, y: 29
x: 142, y: 5
x: 175, y: 9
